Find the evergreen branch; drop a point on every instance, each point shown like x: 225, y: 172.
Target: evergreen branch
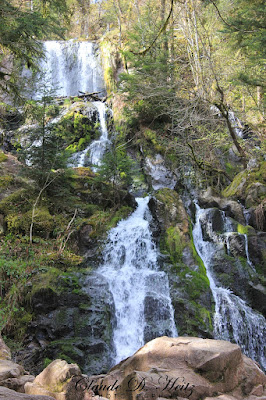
x: 227, y: 23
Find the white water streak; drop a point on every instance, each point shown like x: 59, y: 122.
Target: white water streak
x: 71, y: 67
x: 234, y: 319
x: 98, y: 147
x: 130, y: 266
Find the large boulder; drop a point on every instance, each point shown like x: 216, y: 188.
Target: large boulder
x: 56, y: 381
x: 210, y: 198
x: 182, y: 368
x: 13, y: 376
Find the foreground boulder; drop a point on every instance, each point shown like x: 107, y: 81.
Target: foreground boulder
x: 13, y: 376
x: 58, y: 381
x: 182, y: 368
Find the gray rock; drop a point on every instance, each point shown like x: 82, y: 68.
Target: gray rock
x: 161, y: 176
x: 210, y: 198
x: 77, y: 325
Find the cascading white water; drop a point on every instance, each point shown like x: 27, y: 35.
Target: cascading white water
x: 71, y: 67
x: 97, y: 148
x: 247, y: 252
x: 234, y: 319
x: 140, y: 291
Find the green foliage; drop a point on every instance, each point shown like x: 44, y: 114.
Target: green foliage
x: 5, y: 181
x: 3, y: 157
x: 46, y: 362
x: 116, y: 167
x: 20, y: 223
x: 43, y: 149
x: 246, y: 31
x: 21, y: 32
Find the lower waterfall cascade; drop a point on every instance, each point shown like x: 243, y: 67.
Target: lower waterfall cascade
x: 143, y: 308
x: 234, y: 320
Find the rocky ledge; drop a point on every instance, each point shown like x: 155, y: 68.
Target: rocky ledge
x: 165, y: 368
x: 182, y: 368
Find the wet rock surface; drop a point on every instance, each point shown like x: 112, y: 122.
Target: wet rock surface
x: 74, y: 324
x: 190, y: 293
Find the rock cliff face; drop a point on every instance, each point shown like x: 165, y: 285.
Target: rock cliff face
x: 240, y: 263
x: 190, y: 292
x: 72, y: 321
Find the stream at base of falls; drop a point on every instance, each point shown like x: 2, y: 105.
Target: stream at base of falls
x: 143, y: 308
x: 234, y: 320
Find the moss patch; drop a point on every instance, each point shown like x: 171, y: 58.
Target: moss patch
x: 244, y: 180
x: 3, y: 157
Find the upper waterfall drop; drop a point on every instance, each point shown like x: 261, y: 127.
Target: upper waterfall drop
x: 143, y: 308
x: 70, y: 67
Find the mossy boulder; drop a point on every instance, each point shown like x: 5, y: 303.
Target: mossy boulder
x: 168, y: 210
x: 43, y: 222
x: 79, y: 125
x: 249, y: 186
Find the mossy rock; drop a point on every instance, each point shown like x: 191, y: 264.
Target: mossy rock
x: 102, y: 221
x: 173, y: 243
x: 192, y: 318
x: 18, y: 200
x: 168, y: 209
x: 245, y: 229
x: 43, y: 222
x: 249, y: 185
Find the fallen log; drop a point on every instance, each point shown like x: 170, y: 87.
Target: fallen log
x: 94, y: 96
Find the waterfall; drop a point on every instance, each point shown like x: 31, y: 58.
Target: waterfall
x: 97, y: 148
x: 143, y: 308
x: 234, y: 320
x: 70, y: 67
x: 247, y: 252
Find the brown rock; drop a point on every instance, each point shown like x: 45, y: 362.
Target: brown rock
x: 5, y: 353
x: 13, y: 376
x: 18, y: 384
x: 7, y: 394
x: 58, y: 380
x: 183, y: 367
